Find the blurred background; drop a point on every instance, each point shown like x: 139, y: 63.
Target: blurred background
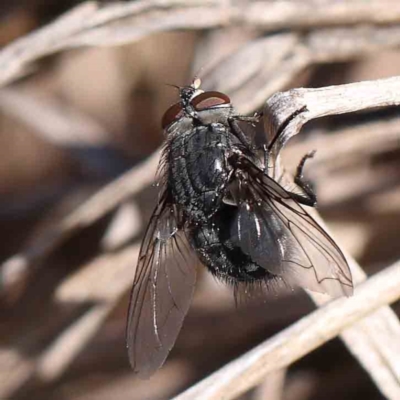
x: 78, y: 124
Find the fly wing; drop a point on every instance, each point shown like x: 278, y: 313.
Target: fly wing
x: 162, y: 290
x: 280, y: 236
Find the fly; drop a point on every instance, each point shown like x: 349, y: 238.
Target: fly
x: 219, y: 205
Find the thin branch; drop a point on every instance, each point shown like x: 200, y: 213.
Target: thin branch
x: 298, y: 106
x: 121, y: 23
x: 377, y: 351
x: 306, y: 14
x: 302, y: 105
x: 273, y: 62
x: 300, y: 339
x: 114, y: 194
x: 54, y: 122
x: 350, y: 141
x: 272, y: 387
x: 15, y: 268
x: 111, y: 273
x: 339, y: 150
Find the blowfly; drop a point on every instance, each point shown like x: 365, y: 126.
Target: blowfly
x: 220, y: 205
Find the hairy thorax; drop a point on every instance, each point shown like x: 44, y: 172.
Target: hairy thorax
x: 198, y: 171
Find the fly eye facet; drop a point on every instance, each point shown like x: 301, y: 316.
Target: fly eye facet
x: 208, y: 100
x: 171, y: 115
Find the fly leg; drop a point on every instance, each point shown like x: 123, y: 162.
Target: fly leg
x: 266, y: 159
x: 252, y: 120
x: 309, y: 198
x: 238, y: 132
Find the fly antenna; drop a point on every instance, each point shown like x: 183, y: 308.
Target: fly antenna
x: 172, y: 85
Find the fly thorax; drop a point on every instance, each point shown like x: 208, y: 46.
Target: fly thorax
x: 218, y: 115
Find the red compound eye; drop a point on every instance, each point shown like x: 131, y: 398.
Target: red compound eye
x: 208, y: 100
x: 172, y: 114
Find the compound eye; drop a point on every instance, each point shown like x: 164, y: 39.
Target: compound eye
x: 171, y: 115
x: 208, y: 100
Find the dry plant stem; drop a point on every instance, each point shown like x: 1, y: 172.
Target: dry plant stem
x: 342, y: 148
x: 298, y: 106
x: 303, y: 14
x: 302, y: 105
x: 384, y: 134
x: 377, y: 351
x: 15, y: 268
x: 57, y: 357
x: 54, y: 360
x: 375, y: 340
x: 113, y: 194
x: 300, y: 339
x: 115, y: 24
x: 272, y: 387
x: 53, y: 122
x: 273, y: 62
x: 113, y: 275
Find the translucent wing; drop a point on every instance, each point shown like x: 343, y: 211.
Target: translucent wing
x: 280, y: 236
x: 162, y: 290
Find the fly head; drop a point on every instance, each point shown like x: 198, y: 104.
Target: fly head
x: 197, y: 107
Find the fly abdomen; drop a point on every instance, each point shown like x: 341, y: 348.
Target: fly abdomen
x: 215, y: 250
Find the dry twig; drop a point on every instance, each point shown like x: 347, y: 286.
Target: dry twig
x: 116, y: 24
x: 52, y: 121
x: 300, y: 339
x: 376, y: 350
x: 15, y: 268
x: 111, y: 274
x: 273, y: 62
x: 298, y: 106
x: 272, y: 386
x: 343, y: 143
